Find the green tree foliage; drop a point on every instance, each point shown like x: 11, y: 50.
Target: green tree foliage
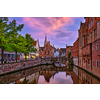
x: 16, y: 40
x: 28, y: 45
x: 11, y: 41
x: 4, y: 37
x: 69, y: 54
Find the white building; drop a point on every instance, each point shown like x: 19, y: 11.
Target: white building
x: 32, y: 54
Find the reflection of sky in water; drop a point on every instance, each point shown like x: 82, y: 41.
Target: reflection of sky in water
x: 59, y: 78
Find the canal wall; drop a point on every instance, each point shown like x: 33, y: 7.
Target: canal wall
x: 16, y: 66
x: 11, y: 67
x: 18, y: 75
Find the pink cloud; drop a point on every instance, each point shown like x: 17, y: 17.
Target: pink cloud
x: 56, y: 29
x: 47, y: 24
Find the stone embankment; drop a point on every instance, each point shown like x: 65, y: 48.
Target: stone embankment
x: 11, y: 67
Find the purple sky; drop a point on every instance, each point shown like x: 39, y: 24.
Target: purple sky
x: 59, y: 30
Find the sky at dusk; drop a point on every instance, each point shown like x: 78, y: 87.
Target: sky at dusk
x: 59, y: 30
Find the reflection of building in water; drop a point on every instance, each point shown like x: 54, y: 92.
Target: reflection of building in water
x: 85, y: 78
x: 68, y: 73
x: 31, y: 79
x: 75, y: 70
x: 74, y: 78
x: 47, y: 74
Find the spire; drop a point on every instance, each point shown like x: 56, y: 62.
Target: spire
x: 45, y: 40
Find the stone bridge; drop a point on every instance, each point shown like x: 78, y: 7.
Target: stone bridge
x: 11, y: 67
x: 52, y: 60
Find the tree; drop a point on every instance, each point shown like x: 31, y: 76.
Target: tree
x: 16, y: 40
x: 4, y: 37
x: 28, y: 45
x: 69, y: 54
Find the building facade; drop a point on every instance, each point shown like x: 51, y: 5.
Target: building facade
x: 89, y: 45
x: 63, y: 52
x: 47, y: 51
x: 56, y: 52
x: 74, y: 52
x: 68, y: 49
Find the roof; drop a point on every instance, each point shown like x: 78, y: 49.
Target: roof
x: 34, y: 43
x: 63, y: 49
x: 42, y: 48
x: 59, y: 50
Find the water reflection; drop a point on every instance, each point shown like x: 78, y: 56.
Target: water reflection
x: 49, y: 75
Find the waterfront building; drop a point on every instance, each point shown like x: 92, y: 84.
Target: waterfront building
x: 96, y: 57
x: 89, y: 42
x: 35, y: 54
x: 47, y: 51
x: 59, y: 52
x: 63, y: 52
x: 74, y: 52
x: 81, y: 32
x: 32, y: 54
x: 68, y: 49
x: 56, y: 52
x: 8, y: 55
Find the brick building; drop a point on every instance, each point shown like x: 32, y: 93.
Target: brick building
x: 47, y: 51
x: 68, y: 49
x: 63, y: 52
x: 96, y: 57
x: 74, y: 52
x: 89, y: 42
x: 80, y: 33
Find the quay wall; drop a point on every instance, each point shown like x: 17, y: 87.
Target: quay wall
x: 6, y: 68
x: 16, y: 66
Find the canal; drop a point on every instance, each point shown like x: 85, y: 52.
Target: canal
x: 48, y: 74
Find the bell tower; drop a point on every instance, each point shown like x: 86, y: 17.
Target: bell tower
x: 45, y: 40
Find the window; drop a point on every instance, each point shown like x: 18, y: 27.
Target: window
x: 93, y: 63
x: 91, y: 36
x: 94, y: 34
x: 80, y: 40
x: 48, y: 52
x: 96, y: 46
x: 93, y: 48
x: 97, y: 64
x: 89, y: 25
x: 87, y: 39
x: 93, y: 22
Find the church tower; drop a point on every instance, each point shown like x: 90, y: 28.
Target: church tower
x: 45, y: 40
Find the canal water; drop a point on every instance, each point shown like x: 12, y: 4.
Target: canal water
x: 49, y: 75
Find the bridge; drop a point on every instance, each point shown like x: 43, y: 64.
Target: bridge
x: 63, y: 60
